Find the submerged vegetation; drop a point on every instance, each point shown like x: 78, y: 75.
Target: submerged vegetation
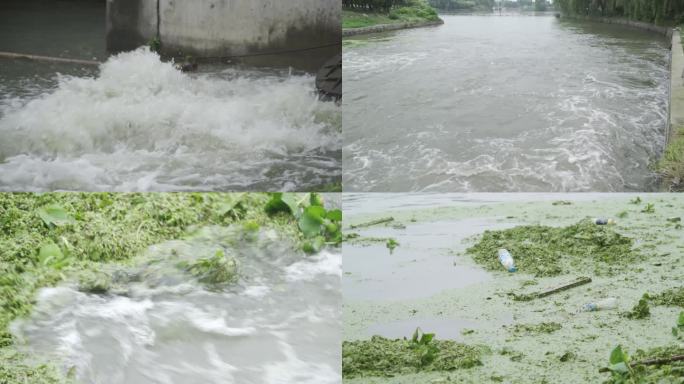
x: 365, y: 13
x: 549, y: 251
x: 385, y: 357
x: 46, y: 238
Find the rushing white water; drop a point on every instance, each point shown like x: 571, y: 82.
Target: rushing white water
x: 280, y: 323
x: 142, y: 125
x: 505, y: 104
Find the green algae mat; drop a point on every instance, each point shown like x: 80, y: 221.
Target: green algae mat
x: 636, y: 261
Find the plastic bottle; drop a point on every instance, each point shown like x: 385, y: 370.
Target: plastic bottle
x: 603, y: 221
x: 607, y: 303
x: 506, y: 260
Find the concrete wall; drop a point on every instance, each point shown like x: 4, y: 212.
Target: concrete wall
x: 208, y: 28
x: 676, y: 85
x: 130, y: 23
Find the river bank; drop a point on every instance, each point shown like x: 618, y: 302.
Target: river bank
x: 419, y: 14
x: 432, y: 281
x: 109, y: 254
x: 671, y: 165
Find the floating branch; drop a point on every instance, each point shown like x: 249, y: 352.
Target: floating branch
x: 374, y: 222
x: 530, y: 296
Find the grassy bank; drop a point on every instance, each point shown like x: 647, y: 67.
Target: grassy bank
x: 415, y: 11
x: 47, y: 238
x: 671, y: 165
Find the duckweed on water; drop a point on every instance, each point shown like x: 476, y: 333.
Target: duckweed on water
x: 385, y: 357
x: 672, y: 297
x: 550, y: 251
x: 549, y: 327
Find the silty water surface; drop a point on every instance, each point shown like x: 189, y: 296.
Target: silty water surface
x: 279, y: 323
x: 512, y: 103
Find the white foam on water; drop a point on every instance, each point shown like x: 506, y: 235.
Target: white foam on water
x: 268, y: 327
x: 324, y: 263
x: 143, y: 125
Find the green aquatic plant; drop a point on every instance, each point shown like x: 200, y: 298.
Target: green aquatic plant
x: 391, y: 244
x: 550, y: 251
x: 649, y: 208
x: 45, y: 238
x: 385, y: 357
x: 678, y: 329
x: 656, y: 365
x: 673, y: 297
x: 641, y: 310
x: 635, y: 201
x: 545, y: 327
x: 218, y: 269
x: 318, y: 225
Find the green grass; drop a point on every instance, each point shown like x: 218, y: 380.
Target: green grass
x: 671, y: 165
x: 418, y: 12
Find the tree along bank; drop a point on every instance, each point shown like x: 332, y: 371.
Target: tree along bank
x: 665, y: 12
x: 369, y: 13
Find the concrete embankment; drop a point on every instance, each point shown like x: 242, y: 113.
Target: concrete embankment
x: 676, y: 118
x: 389, y: 27
x: 225, y: 28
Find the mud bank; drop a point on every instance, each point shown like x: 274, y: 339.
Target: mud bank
x: 389, y: 27
x: 480, y: 311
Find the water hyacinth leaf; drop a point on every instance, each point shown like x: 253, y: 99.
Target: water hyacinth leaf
x: 54, y: 215
x: 314, y: 246
x: 276, y: 204
x: 618, y: 356
x: 310, y: 224
x: 335, y: 215
x: 315, y: 199
x: 290, y: 199
x: 51, y: 255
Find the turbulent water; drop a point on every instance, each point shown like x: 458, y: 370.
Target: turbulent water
x: 512, y: 103
x: 280, y: 323
x: 139, y: 124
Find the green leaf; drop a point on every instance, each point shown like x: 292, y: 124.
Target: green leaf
x: 680, y: 320
x: 619, y: 367
x: 54, y: 215
x: 427, y: 338
x: 315, y: 245
x: 50, y: 255
x: 334, y: 215
x: 291, y: 200
x: 316, y: 212
x: 276, y: 204
x: 618, y: 356
x: 309, y: 224
x: 315, y: 199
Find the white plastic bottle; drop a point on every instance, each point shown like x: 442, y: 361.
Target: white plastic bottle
x: 607, y: 303
x: 506, y: 260
x: 603, y: 221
